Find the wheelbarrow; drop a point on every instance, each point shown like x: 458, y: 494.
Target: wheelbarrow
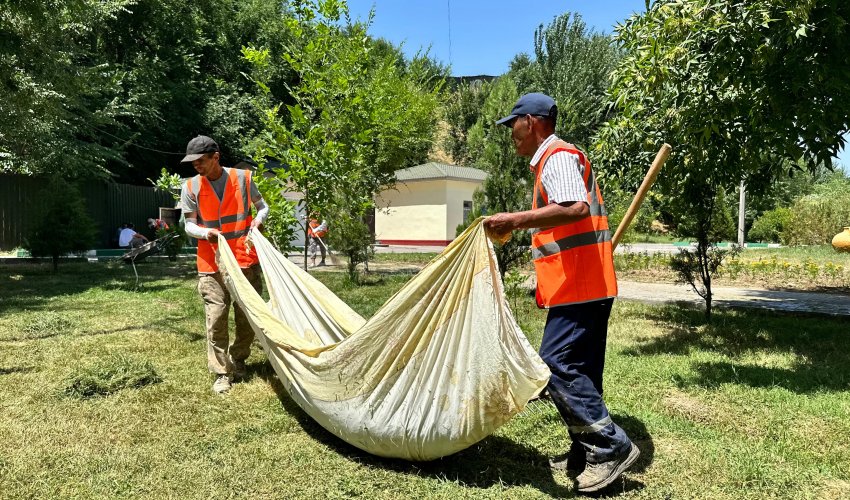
x: 150, y: 248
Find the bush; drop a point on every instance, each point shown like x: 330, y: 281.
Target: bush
x: 175, y: 245
x: 617, y: 203
x: 350, y: 236
x: 63, y: 226
x: 109, y: 376
x: 770, y: 225
x: 816, y: 218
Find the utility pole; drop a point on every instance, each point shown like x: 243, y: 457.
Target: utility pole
x: 741, y: 212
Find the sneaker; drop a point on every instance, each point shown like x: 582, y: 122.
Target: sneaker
x: 240, y: 371
x: 322, y: 263
x: 221, y: 384
x: 573, y: 462
x: 598, y: 476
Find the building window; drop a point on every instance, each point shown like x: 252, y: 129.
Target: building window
x: 467, y: 209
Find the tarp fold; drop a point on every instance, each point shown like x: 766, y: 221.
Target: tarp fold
x: 441, y: 365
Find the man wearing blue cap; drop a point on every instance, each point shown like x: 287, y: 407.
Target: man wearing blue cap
x: 571, y: 248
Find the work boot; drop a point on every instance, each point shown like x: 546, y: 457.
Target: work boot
x: 573, y: 462
x: 221, y: 384
x: 598, y: 476
x: 240, y: 371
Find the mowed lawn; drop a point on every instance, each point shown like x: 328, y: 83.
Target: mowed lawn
x: 754, y: 406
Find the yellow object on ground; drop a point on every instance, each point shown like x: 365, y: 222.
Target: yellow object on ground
x: 441, y: 365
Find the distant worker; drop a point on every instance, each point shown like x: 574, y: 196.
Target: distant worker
x: 157, y: 224
x: 217, y: 206
x: 129, y: 238
x: 571, y: 248
x: 317, y: 232
x: 117, y: 238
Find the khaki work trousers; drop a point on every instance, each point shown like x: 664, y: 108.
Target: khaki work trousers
x: 217, y: 302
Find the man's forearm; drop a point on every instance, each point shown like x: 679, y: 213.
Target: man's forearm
x: 551, y: 215
x: 545, y: 217
x: 196, y: 231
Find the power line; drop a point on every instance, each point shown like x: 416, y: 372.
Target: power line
x: 449, y: 10
x: 134, y: 144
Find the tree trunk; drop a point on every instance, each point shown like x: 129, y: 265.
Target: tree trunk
x: 703, y: 246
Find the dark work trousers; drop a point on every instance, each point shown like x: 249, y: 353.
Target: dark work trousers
x: 574, y: 349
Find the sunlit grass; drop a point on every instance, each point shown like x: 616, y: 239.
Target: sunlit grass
x: 753, y: 406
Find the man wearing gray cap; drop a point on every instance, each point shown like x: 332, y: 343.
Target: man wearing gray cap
x: 217, y: 206
x: 571, y: 248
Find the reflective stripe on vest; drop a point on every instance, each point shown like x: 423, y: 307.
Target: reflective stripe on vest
x: 574, y: 262
x: 231, y: 215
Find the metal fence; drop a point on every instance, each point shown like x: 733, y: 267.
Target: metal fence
x: 109, y: 205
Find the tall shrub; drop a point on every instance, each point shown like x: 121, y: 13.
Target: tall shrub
x: 817, y: 217
x: 63, y: 226
x: 771, y: 225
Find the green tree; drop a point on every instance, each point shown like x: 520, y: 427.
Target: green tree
x: 770, y: 225
x: 573, y: 65
x: 173, y: 84
x: 64, y: 225
x: 737, y: 88
x: 354, y: 121
x: 781, y: 193
x: 462, y: 110
x: 507, y: 187
x: 110, y: 88
x: 50, y: 87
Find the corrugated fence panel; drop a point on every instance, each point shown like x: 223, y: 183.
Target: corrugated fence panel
x: 109, y: 205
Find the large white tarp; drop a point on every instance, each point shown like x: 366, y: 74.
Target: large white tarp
x: 441, y: 365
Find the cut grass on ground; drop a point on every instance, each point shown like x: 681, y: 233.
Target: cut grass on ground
x: 754, y: 406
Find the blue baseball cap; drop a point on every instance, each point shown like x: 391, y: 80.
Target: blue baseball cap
x: 536, y: 104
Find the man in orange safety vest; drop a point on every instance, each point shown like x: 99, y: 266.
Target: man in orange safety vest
x: 572, y: 253
x: 217, y: 206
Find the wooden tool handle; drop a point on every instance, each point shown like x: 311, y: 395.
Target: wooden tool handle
x: 660, y: 158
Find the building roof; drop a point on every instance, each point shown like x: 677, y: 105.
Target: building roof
x: 433, y: 170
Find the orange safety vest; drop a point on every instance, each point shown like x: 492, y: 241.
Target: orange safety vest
x: 231, y: 216
x: 573, y: 262
x: 312, y: 230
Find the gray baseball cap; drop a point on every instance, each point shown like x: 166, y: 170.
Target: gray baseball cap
x: 536, y: 104
x: 198, y: 147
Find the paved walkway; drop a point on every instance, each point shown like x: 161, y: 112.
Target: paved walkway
x: 832, y: 304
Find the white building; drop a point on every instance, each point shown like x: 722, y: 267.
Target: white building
x: 426, y: 205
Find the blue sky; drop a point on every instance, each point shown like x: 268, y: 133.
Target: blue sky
x: 484, y: 36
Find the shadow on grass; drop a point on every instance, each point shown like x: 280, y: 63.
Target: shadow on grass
x: 637, y: 432
x: 167, y: 323
x: 819, y: 348
x: 803, y: 378
x: 495, y: 460
x: 15, y: 369
x: 33, y: 286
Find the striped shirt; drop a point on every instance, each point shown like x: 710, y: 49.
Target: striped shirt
x: 562, y: 176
